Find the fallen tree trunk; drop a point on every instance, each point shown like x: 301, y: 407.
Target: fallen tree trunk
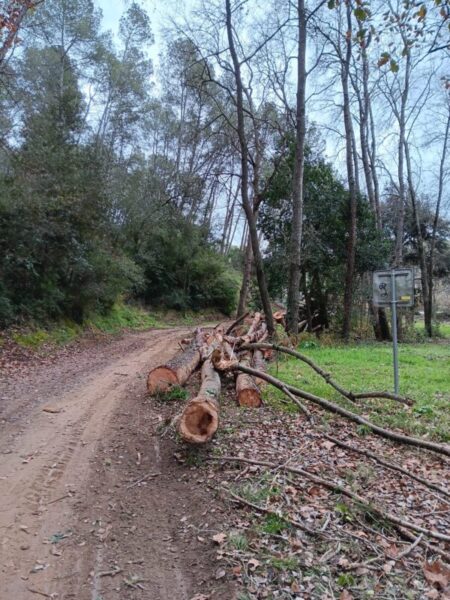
x: 247, y: 391
x: 178, y: 369
x: 200, y: 419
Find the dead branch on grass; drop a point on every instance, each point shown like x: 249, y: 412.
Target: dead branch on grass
x: 327, y: 376
x: 330, y: 406
x: 389, y: 465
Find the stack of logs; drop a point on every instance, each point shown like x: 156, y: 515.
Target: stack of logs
x: 215, y: 351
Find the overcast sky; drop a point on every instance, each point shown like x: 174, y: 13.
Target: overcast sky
x: 160, y: 10
x: 113, y: 10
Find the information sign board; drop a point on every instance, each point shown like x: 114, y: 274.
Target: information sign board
x: 383, y: 287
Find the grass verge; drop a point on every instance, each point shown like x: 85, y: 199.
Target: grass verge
x: 424, y: 376
x: 120, y: 317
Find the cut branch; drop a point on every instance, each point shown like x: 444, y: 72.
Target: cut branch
x: 327, y: 377
x: 330, y: 406
x: 389, y: 465
x: 340, y: 489
x: 267, y: 511
x: 387, y: 395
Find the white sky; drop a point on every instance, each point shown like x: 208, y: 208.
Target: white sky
x: 113, y: 10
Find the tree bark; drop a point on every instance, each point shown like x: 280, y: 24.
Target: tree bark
x: 13, y: 29
x: 401, y: 116
x: 259, y: 364
x: 246, y: 278
x: 351, y: 244
x: 430, y: 262
x: 247, y: 205
x: 177, y: 370
x: 420, y: 244
x: 293, y: 299
x: 200, y: 419
x: 247, y: 391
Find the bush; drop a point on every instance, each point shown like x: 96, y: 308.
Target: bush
x: 183, y: 272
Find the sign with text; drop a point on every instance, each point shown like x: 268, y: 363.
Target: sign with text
x: 387, y: 290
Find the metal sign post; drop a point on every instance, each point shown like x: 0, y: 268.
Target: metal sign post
x: 394, y: 328
x: 394, y: 288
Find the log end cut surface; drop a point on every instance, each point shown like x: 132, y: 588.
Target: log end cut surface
x: 250, y: 398
x: 199, y: 421
x: 161, y: 379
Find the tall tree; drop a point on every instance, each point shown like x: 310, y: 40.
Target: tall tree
x: 293, y: 299
x: 246, y: 202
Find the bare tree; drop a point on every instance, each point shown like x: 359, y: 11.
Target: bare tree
x: 293, y: 299
x: 442, y: 175
x: 246, y: 202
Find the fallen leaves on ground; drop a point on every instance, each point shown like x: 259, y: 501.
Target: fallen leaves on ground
x: 354, y: 550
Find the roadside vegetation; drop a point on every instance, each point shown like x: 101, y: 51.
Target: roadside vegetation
x: 121, y: 317
x: 361, y: 367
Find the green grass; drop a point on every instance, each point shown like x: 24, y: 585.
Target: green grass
x: 121, y: 316
x: 289, y: 563
x: 59, y: 334
x: 424, y: 376
x: 274, y: 524
x: 441, y: 330
x: 238, y: 541
x: 174, y: 394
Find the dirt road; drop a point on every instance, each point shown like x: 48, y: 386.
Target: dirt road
x: 76, y: 521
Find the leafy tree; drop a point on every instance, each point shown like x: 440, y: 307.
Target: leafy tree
x: 324, y: 234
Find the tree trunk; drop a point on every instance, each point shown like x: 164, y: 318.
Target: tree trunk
x: 351, y: 244
x: 200, y: 419
x: 246, y: 279
x: 247, y: 205
x: 420, y: 244
x: 293, y: 300
x: 430, y: 262
x: 398, y: 258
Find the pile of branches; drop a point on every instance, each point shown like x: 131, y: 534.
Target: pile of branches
x: 215, y: 352
x: 242, y: 349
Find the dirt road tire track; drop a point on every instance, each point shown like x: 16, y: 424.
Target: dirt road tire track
x: 67, y: 513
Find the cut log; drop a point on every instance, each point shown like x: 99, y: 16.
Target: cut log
x: 211, y: 342
x: 236, y: 323
x: 279, y: 316
x: 247, y: 392
x: 200, y: 418
x: 248, y: 337
x: 260, y: 365
x: 178, y: 369
x: 223, y: 358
